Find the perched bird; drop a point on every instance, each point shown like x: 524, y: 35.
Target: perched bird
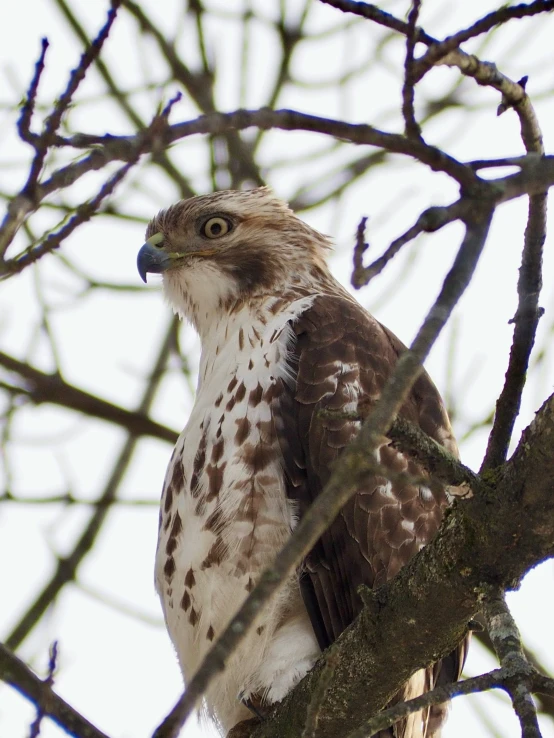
x: 281, y: 341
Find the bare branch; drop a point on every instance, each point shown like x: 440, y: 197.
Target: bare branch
x: 360, y: 249
x: 160, y: 158
x: 412, y: 129
x: 67, y: 498
x: 431, y: 220
x: 482, y: 541
x: 484, y: 73
x: 84, y: 212
x: 528, y: 312
x: 495, y: 18
x: 375, y: 14
x: 15, y: 673
x: 434, y: 458
x: 67, y: 566
x: 28, y: 107
x: 28, y: 199
x: 40, y: 387
x: 48, y: 682
x: 200, y: 87
x: 491, y: 680
x: 506, y: 639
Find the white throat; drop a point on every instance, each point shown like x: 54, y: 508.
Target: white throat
x: 198, y: 292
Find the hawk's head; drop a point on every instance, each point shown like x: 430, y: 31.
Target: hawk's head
x: 215, y: 249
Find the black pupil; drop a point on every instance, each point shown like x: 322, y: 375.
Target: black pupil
x: 215, y: 229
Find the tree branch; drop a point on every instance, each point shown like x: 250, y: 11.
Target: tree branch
x: 528, y: 312
x: 411, y: 127
x: 40, y: 387
x: 482, y: 540
x: 67, y: 567
x: 489, y: 21
x: 18, y: 675
x: 506, y: 639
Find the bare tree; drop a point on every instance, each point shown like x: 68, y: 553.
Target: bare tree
x: 77, y: 179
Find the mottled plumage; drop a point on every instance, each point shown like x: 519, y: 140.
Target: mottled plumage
x: 281, y: 340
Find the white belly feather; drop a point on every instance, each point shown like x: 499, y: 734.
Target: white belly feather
x: 225, y: 515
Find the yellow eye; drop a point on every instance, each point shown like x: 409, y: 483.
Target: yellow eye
x: 216, y: 227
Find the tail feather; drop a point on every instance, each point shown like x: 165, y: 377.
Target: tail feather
x: 427, y: 723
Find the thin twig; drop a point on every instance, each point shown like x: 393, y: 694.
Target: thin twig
x: 431, y: 220
x: 18, y: 675
x: 68, y: 499
x: 28, y: 107
x: 373, y: 13
x: 160, y: 158
x: 53, y: 121
x: 84, y: 212
x: 491, y: 20
x: 412, y: 129
x: 360, y: 248
x: 241, y: 162
x: 48, y: 682
x: 390, y: 716
x: 434, y: 458
x: 469, y: 65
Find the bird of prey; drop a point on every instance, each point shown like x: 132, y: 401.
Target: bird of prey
x: 281, y: 340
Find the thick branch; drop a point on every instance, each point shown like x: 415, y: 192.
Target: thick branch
x: 484, y: 539
x: 120, y: 147
x: 506, y: 639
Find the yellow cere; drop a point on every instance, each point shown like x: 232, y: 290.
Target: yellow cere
x: 156, y: 239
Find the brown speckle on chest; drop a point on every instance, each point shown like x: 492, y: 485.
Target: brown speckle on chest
x: 198, y: 465
x: 214, y: 556
x: 215, y: 480
x: 169, y: 568
x: 257, y: 456
x: 255, y: 396
x: 190, y: 580
x: 243, y: 429
x: 176, y: 528
x: 194, y: 615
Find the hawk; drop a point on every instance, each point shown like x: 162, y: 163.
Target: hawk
x: 281, y: 341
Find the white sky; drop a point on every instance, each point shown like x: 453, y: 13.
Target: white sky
x: 120, y: 671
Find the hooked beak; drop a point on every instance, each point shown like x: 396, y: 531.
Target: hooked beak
x: 153, y: 260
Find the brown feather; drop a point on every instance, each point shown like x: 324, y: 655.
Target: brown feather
x: 342, y: 357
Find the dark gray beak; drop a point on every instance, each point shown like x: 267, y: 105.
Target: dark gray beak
x: 153, y: 260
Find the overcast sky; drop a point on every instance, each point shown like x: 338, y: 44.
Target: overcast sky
x: 116, y: 667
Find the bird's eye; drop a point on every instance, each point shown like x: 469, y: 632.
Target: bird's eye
x: 216, y: 227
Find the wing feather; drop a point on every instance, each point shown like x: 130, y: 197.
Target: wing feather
x: 341, y: 358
